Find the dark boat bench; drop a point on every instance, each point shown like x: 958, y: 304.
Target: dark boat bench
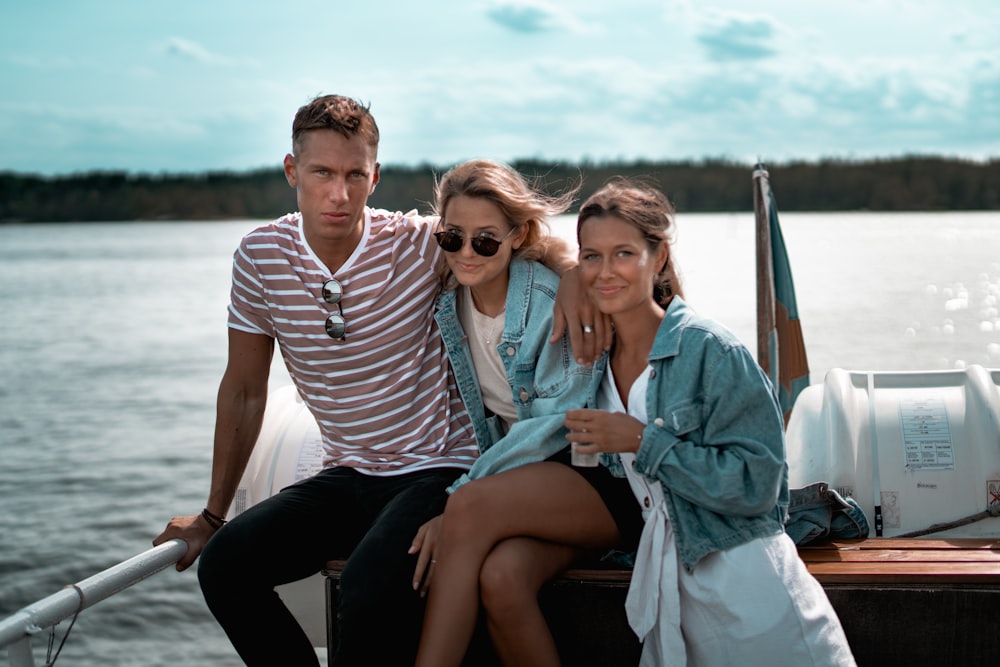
x: 914, y: 602
x: 906, y: 602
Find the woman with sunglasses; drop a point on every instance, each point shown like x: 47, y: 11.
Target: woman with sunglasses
x: 695, y: 425
x: 522, y: 514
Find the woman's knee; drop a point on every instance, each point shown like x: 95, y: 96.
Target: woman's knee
x: 468, y: 509
x: 505, y: 585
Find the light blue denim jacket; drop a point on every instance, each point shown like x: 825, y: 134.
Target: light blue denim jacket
x: 816, y: 512
x: 715, y: 437
x: 544, y: 378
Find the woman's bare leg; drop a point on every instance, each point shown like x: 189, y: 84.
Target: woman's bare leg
x: 548, y: 501
x: 509, y: 582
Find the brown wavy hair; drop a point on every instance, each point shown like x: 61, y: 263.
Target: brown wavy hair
x: 648, y: 210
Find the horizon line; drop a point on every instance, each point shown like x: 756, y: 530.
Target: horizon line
x: 585, y: 162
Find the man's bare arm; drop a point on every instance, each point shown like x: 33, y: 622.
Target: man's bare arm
x: 239, y: 415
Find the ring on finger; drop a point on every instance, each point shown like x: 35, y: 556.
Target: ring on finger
x: 588, y: 328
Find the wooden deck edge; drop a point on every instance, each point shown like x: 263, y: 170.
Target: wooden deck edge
x: 592, y: 576
x: 907, y: 543
x: 874, y: 561
x: 889, y: 562
x: 920, y: 603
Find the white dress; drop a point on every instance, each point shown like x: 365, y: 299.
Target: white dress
x: 755, y: 604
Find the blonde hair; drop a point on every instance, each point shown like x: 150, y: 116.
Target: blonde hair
x: 522, y: 203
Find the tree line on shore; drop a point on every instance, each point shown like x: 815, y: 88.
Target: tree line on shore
x: 914, y: 183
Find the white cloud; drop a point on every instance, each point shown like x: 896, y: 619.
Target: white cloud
x: 532, y: 16
x: 41, y: 62
x: 186, y: 49
x: 511, y: 79
x: 739, y: 36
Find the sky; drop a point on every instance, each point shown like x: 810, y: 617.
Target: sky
x: 211, y: 85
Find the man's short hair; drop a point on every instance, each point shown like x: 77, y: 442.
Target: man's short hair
x: 338, y: 113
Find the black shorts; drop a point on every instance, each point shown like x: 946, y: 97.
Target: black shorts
x: 617, y: 496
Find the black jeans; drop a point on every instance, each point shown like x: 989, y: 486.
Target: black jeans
x: 290, y: 536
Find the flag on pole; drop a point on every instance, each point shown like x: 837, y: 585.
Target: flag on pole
x: 781, y: 350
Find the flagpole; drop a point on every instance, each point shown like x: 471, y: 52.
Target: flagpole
x: 781, y: 350
x: 766, y: 327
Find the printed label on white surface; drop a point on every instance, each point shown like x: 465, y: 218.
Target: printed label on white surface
x: 239, y: 502
x: 927, y: 443
x: 993, y: 492
x: 310, y: 459
x: 890, y: 509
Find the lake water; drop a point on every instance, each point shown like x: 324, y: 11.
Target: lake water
x: 113, y: 340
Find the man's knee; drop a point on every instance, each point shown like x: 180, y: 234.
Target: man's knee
x: 369, y: 604
x: 378, y: 581
x: 217, y: 566
x: 212, y: 577
x: 233, y: 561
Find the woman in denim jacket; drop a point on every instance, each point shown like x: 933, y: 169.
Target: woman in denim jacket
x: 686, y: 413
x: 522, y: 514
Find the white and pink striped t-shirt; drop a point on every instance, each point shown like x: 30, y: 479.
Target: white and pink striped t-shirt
x: 385, y: 399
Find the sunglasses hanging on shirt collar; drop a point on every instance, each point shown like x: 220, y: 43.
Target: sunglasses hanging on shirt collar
x: 336, y: 325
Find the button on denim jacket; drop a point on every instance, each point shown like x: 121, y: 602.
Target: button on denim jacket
x: 544, y: 378
x: 715, y: 437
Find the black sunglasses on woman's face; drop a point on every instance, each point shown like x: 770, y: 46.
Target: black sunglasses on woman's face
x: 452, y: 240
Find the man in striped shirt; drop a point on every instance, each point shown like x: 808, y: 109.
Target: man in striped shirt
x: 347, y: 292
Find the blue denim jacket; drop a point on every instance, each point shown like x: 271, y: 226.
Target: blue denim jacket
x: 817, y: 512
x: 715, y: 437
x: 545, y: 380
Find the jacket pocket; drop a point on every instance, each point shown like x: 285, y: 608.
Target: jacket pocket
x: 683, y: 418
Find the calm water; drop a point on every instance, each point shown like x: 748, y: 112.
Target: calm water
x: 112, y: 343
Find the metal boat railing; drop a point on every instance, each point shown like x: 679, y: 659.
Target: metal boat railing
x: 17, y: 630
